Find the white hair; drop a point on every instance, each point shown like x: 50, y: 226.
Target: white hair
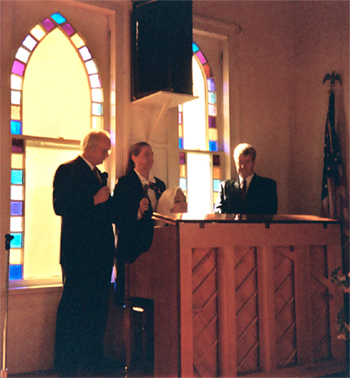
x: 166, y: 201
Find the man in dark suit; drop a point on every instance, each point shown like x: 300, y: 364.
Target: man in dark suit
x: 82, y: 198
x: 249, y: 193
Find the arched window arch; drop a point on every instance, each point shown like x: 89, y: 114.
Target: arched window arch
x: 56, y: 97
x: 200, y: 170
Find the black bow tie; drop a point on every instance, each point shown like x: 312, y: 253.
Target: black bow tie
x: 152, y: 186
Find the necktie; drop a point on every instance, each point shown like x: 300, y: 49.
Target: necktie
x: 244, y: 189
x: 97, y: 175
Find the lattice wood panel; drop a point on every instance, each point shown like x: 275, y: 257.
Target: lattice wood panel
x: 246, y: 310
x: 205, y: 313
x: 286, y: 347
x: 320, y: 305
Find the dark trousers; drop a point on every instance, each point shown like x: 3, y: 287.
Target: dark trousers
x: 81, y: 321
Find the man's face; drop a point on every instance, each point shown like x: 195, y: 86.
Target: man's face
x: 100, y: 152
x: 245, y: 165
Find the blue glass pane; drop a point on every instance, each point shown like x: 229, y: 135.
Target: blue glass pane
x: 212, y: 97
x: 58, y: 18
x: 213, y: 145
x: 96, y: 109
x: 16, y: 242
x: 15, y: 272
x: 211, y: 85
x: 216, y: 185
x: 16, y: 208
x: 16, y: 127
x: 195, y: 48
x: 181, y: 143
x: 183, y: 183
x: 17, y: 176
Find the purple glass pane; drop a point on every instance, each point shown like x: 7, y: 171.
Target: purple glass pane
x: 182, y: 158
x: 211, y: 85
x: 216, y: 160
x: 68, y: 29
x: 180, y: 118
x: 18, y: 68
x: 17, y: 145
x: 201, y: 58
x: 212, y: 122
x: 48, y: 24
x: 16, y: 208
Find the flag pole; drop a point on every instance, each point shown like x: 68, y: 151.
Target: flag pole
x: 4, y: 372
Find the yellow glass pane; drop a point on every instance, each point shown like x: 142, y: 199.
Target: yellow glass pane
x: 97, y: 122
x: 217, y: 173
x: 16, y: 256
x: 182, y: 170
x: 213, y: 134
x: 42, y: 225
x: 16, y: 112
x: 16, y: 82
x: 17, y: 192
x: 215, y: 197
x: 181, y: 133
x: 78, y: 42
x: 38, y: 32
x: 56, y: 91
x: 16, y: 224
x: 17, y: 161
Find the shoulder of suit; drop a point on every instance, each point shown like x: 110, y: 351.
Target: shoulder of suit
x: 264, y: 179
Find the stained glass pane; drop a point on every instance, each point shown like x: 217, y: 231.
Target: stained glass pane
x: 212, y: 97
x: 68, y: 29
x: 16, y: 176
x: 97, y: 122
x: 16, y: 112
x: 181, y: 133
x: 212, y: 110
x: 211, y: 85
x: 48, y: 24
x: 183, y: 170
x: 195, y: 48
x: 16, y: 82
x: 201, y: 57
x: 17, y: 241
x: 15, y: 272
x: 17, y: 145
x: 16, y: 208
x: 182, y: 157
x: 217, y: 172
x: 213, y: 134
x: 183, y: 183
x: 22, y: 55
x: 215, y: 197
x: 77, y: 40
x: 212, y: 122
x: 15, y: 97
x: 16, y: 128
x: 216, y: 185
x: 97, y: 95
x: 16, y: 161
x: 94, y: 81
x: 96, y: 109
x: 38, y: 32
x: 85, y: 53
x: 91, y: 67
x: 17, y: 192
x: 16, y: 256
x: 181, y: 143
x: 58, y: 18
x: 216, y: 160
x: 213, y: 145
x: 16, y: 224
x: 180, y: 117
x: 29, y: 42
x: 18, y: 68
x: 207, y: 70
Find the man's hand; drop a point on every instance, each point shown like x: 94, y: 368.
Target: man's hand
x: 144, y: 206
x: 102, y: 195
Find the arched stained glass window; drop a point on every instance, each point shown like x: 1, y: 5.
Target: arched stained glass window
x: 200, y: 170
x: 56, y: 97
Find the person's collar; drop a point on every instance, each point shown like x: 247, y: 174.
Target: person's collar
x: 87, y: 162
x: 248, y: 179
x: 143, y: 179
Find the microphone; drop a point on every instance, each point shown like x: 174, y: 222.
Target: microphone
x: 104, y: 177
x: 145, y: 191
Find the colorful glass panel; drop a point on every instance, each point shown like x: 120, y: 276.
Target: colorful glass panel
x: 97, y: 95
x: 38, y: 32
x: 183, y: 183
x: 16, y: 256
x: 212, y: 122
x: 85, y: 53
x: 182, y: 157
x: 94, y: 81
x: 18, y: 68
x: 29, y: 42
x: 16, y: 127
x: 15, y: 112
x: 207, y: 70
x: 15, y: 272
x: 48, y: 24
x: 57, y: 17
x: 96, y: 109
x: 213, y: 145
x: 211, y: 85
x: 16, y: 176
x: 17, y: 192
x: 77, y: 40
x: 17, y: 144
x: 183, y: 170
x: 68, y: 29
x: 216, y: 185
x: 15, y: 97
x: 16, y: 224
x: 216, y: 160
x: 16, y: 161
x: 16, y: 208
x: 16, y: 82
x: 201, y: 57
x: 181, y: 143
x: 195, y: 48
x: 213, y: 134
x: 22, y: 55
x: 212, y: 97
x: 91, y: 67
x: 212, y: 110
x: 17, y: 241
x: 216, y: 172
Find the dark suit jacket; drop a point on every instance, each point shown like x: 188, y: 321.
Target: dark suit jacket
x: 261, y: 197
x: 134, y: 236
x: 87, y: 238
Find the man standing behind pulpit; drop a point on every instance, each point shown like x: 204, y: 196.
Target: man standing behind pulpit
x: 249, y: 193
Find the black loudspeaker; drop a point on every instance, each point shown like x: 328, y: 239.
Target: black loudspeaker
x: 161, y: 47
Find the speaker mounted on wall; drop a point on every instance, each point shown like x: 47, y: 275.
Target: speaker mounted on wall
x: 161, y: 47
